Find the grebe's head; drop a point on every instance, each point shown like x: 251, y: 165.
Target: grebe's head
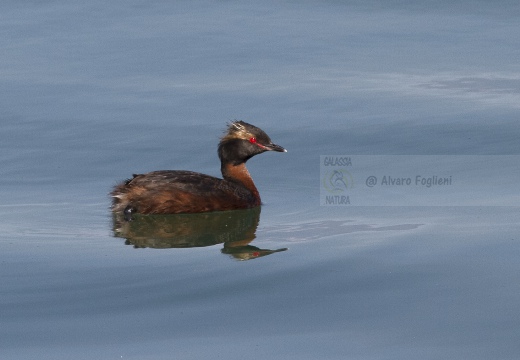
x: 242, y: 141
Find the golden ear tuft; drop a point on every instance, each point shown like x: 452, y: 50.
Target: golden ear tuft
x: 237, y: 125
x: 236, y: 130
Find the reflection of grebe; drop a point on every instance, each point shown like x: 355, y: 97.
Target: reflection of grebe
x: 235, y: 229
x: 188, y: 230
x: 173, y: 192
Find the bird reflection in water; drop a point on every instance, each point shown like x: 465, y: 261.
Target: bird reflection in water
x: 235, y: 229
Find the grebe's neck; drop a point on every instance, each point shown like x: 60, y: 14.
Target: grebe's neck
x: 240, y: 174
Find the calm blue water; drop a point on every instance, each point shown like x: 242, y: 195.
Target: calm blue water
x: 93, y: 92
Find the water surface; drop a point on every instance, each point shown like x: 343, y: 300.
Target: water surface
x: 93, y: 92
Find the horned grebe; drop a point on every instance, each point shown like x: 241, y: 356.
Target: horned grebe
x: 177, y: 191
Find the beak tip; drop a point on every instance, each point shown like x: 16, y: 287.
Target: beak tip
x: 274, y: 147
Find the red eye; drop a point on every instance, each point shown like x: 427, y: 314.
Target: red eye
x: 252, y: 140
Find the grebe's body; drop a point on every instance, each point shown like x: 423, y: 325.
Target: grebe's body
x: 173, y: 192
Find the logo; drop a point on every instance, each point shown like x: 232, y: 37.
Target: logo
x: 337, y: 181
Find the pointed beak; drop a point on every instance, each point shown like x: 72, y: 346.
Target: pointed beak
x: 274, y: 147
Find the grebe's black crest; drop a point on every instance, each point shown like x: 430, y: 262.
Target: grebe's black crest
x: 174, y: 191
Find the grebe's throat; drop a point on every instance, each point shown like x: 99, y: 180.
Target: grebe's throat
x: 239, y: 173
